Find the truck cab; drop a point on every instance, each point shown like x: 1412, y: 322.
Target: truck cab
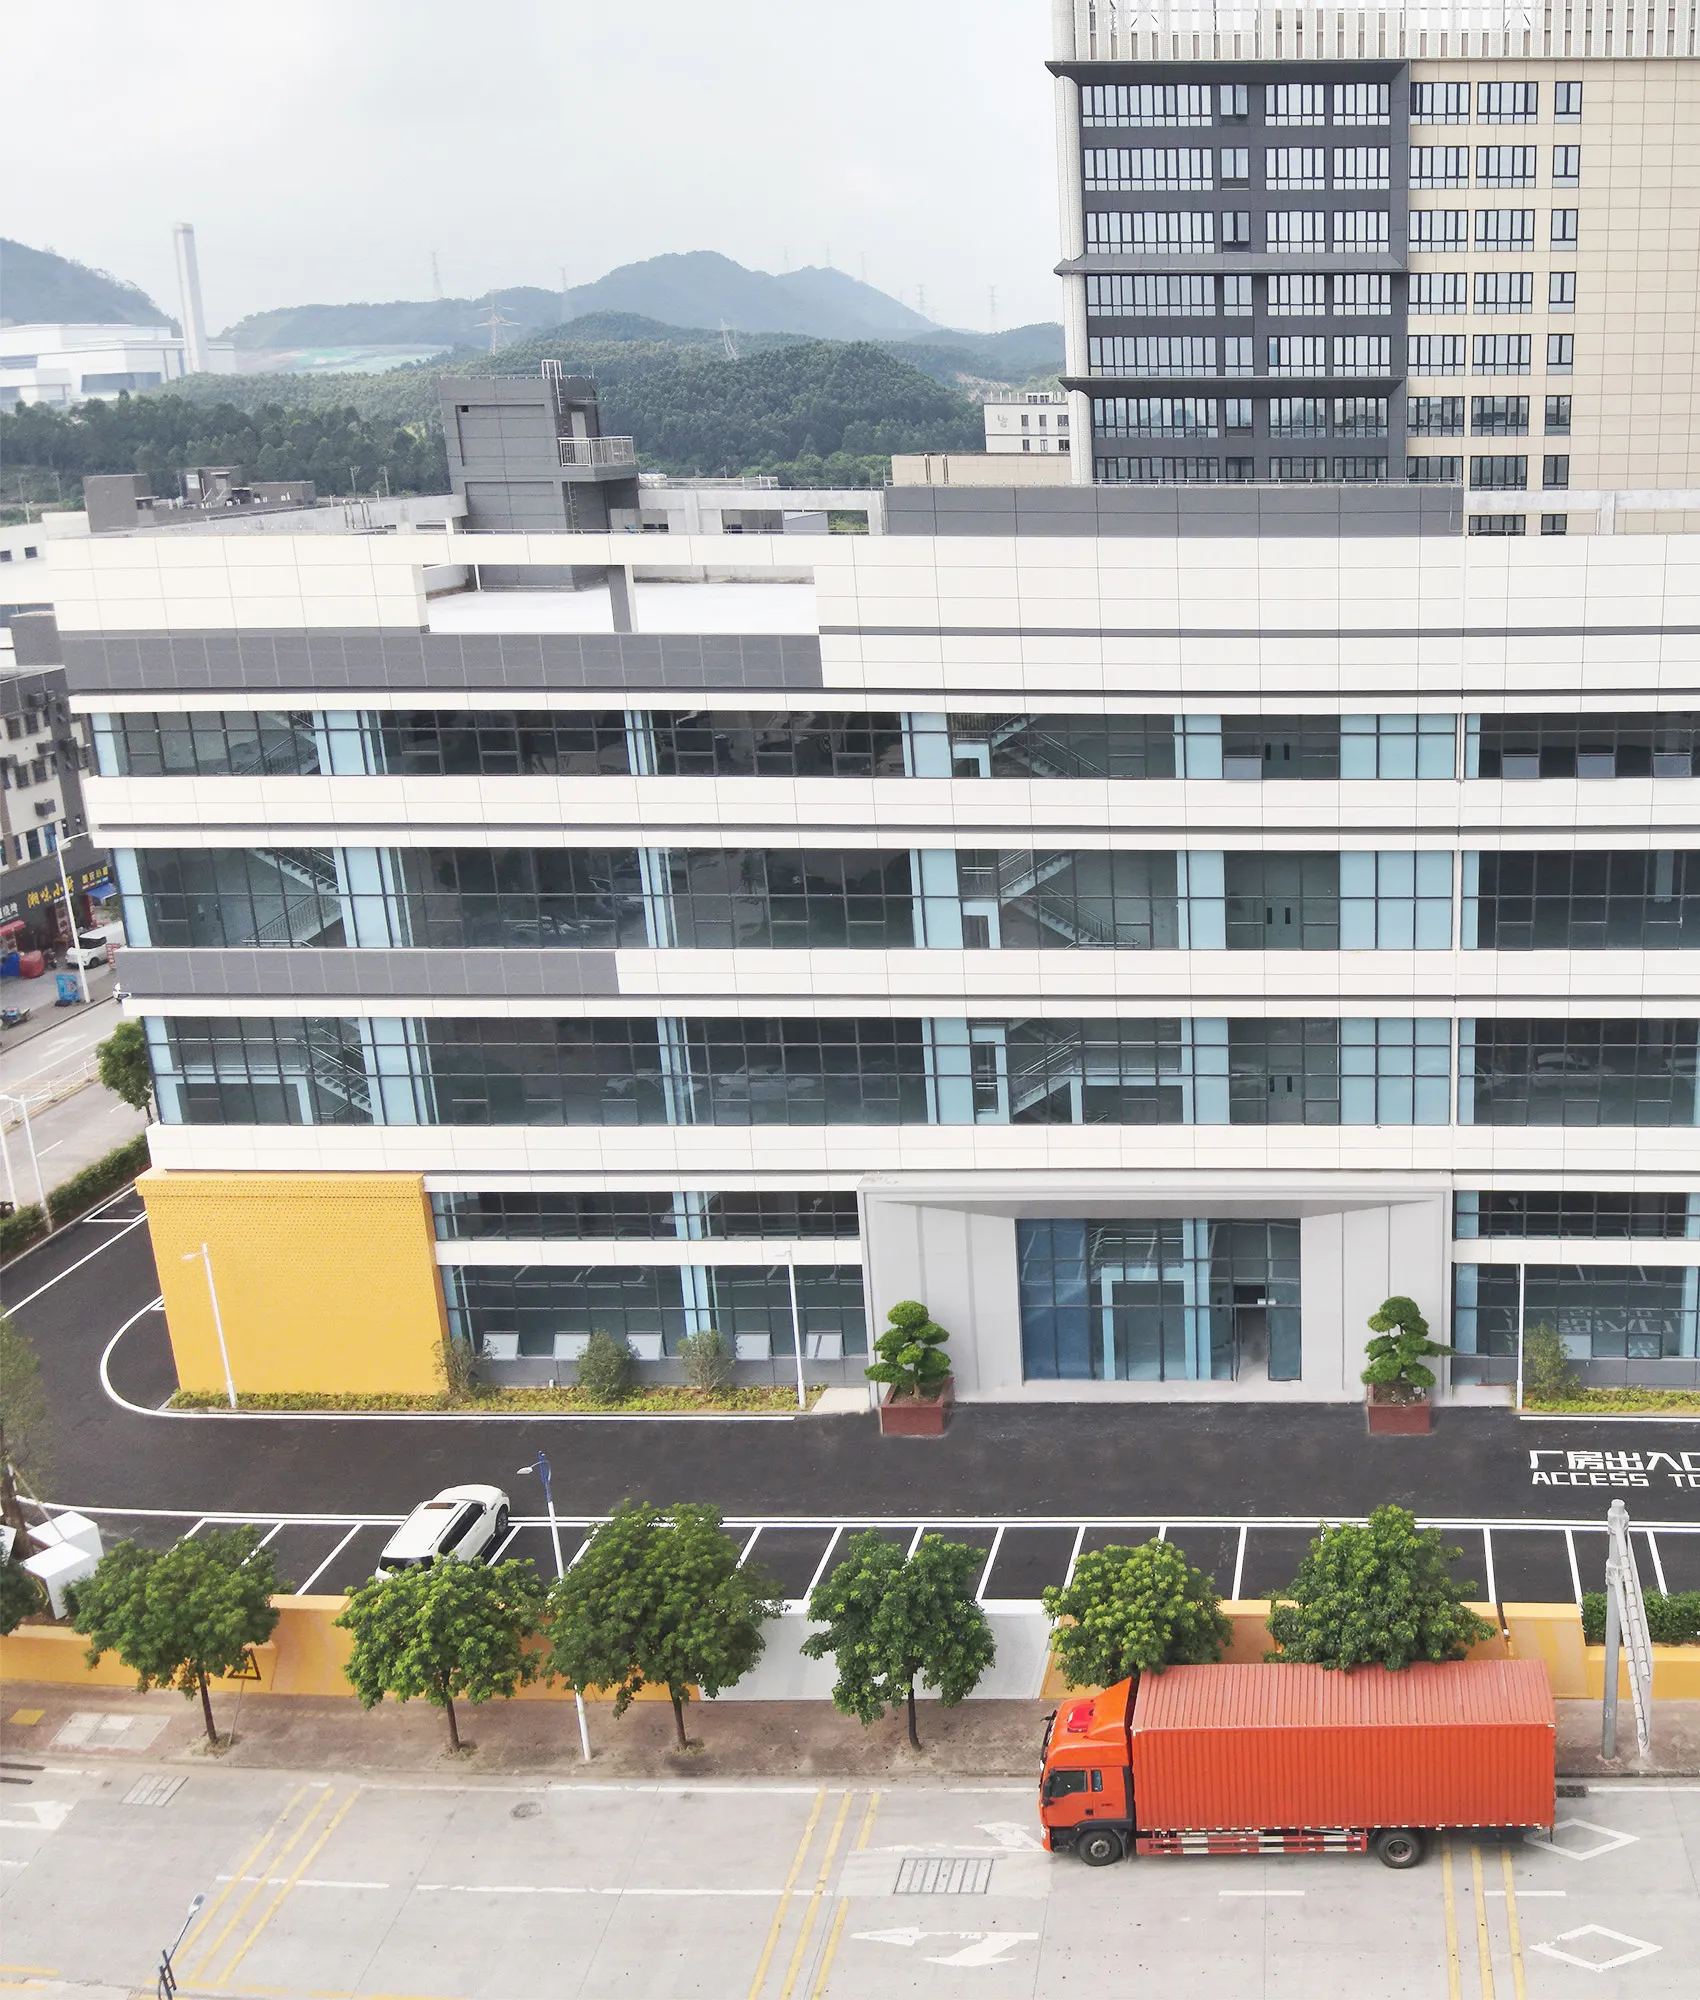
x: 1086, y: 1784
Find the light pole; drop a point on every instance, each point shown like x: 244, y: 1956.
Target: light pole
x: 205, y: 1257
x: 71, y: 927
x: 166, y: 1984
x: 797, y: 1335
x: 29, y: 1140
x: 541, y: 1469
x: 1521, y: 1316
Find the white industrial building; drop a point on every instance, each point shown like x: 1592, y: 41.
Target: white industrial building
x: 60, y: 366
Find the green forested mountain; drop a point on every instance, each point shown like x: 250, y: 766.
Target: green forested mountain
x: 38, y: 285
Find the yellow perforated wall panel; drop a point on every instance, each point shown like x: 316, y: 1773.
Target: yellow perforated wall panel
x: 326, y: 1282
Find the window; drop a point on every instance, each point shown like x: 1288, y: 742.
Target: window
x: 1360, y: 166
x: 1440, y: 166
x: 1499, y: 416
x: 1150, y: 229
x: 1434, y: 416
x: 1147, y: 171
x: 1440, y: 104
x: 1294, y: 104
x: 1561, y: 353
x: 1498, y: 524
x: 1396, y: 901
x: 1438, y: 291
x: 1236, y: 297
x: 1555, y: 469
x: 1156, y: 416
x: 1358, y: 292
x: 1603, y: 1312
x: 1359, y: 229
x: 1296, y: 229
x: 1434, y: 471
x: 1623, y: 745
x: 1362, y: 354
x: 1555, y: 524
x: 1151, y: 354
x: 1507, y: 103
x: 1297, y: 354
x: 1146, y: 104
x: 1582, y: 900
x: 1576, y: 1072
x: 1430, y: 229
x: 1236, y: 413
x: 1567, y: 104
x: 1398, y: 746
x: 1508, y: 1212
x: 1236, y: 167
x: 1566, y: 166
x: 1298, y: 297
x: 1505, y: 291
x: 1565, y: 228
x: 1505, y: 228
x: 1558, y: 416
x: 1233, y: 103
x: 1292, y: 167
x: 1505, y: 166
x: 1243, y: 470
x: 1237, y: 355
x: 1157, y: 471
x: 1064, y: 1784
x: 1236, y: 229
x: 1298, y: 417
x: 1434, y: 353
x: 692, y: 1216
x: 1360, y: 471
x: 1506, y: 472
x: 1361, y: 103
x: 1500, y: 354
x: 1561, y: 291
x: 1298, y: 471
x: 1180, y: 296
x: 1360, y: 416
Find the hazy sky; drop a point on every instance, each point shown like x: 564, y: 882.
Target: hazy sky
x: 325, y: 148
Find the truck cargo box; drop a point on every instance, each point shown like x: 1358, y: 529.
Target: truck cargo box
x: 1467, y: 1744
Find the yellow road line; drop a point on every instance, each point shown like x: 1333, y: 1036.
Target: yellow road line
x: 1454, y: 1972
x: 831, y: 1951
x: 199, y: 1975
x: 205, y: 1918
x: 1484, y: 1943
x: 277, y: 1902
x: 774, y: 1928
x: 819, y: 1890
x: 1513, y: 1926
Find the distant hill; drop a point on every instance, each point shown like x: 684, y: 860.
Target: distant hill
x: 1015, y: 356
x: 37, y: 285
x: 699, y: 288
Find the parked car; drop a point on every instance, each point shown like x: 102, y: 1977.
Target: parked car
x: 89, y: 951
x: 462, y: 1524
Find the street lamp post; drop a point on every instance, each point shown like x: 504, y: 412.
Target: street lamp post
x: 71, y: 927
x: 540, y: 1468
x: 22, y: 1103
x: 1521, y: 1316
x: 797, y: 1335
x: 204, y: 1255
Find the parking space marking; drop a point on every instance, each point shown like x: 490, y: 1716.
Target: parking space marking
x: 325, y: 1565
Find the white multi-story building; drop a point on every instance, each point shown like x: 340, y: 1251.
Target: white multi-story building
x: 59, y: 365
x: 1026, y: 420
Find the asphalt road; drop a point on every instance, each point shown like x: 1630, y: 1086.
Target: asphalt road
x: 1067, y: 1462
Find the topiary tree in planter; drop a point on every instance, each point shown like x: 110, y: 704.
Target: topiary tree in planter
x: 1396, y: 1371
x: 912, y: 1360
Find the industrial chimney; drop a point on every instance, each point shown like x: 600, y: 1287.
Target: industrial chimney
x: 189, y: 290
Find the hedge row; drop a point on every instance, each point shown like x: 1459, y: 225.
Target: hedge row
x: 72, y: 1198
x: 1671, y: 1621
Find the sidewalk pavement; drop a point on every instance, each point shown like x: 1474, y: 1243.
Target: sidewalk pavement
x: 734, y: 1739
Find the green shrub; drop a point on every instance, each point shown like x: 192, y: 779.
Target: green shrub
x: 911, y: 1351
x: 21, y: 1228
x: 1548, y: 1376
x: 605, y: 1368
x: 457, y: 1368
x: 708, y: 1361
x: 1671, y: 1621
x: 21, y: 1596
x: 1133, y: 1611
x: 95, y: 1183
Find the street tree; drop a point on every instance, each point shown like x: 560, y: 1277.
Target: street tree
x: 446, y: 1632
x: 180, y: 1617
x: 20, y: 1595
x: 1127, y: 1611
x: 894, y: 1620
x: 658, y: 1598
x: 23, y: 1425
x: 124, y: 1065
x: 1377, y: 1594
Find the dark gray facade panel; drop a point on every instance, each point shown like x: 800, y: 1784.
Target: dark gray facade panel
x: 314, y: 669
x: 367, y: 975
x: 1174, y: 510
x: 35, y: 639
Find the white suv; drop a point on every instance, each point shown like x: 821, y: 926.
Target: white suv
x: 462, y: 1524
x: 89, y: 951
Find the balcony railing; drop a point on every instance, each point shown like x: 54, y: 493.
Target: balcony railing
x: 597, y: 451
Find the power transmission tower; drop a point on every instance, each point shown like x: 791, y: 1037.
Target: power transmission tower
x: 436, y: 278
x: 495, y: 320
x: 729, y: 341
x: 992, y: 307
x: 921, y: 300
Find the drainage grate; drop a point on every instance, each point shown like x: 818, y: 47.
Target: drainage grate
x: 153, y: 1791
x: 938, y: 1875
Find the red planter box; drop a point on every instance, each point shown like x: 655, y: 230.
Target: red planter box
x: 917, y: 1417
x: 1399, y: 1419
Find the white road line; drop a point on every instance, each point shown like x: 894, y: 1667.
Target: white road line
x: 1260, y: 1892
x: 325, y: 1565
x: 1492, y: 1582
x: 991, y: 1562
x: 135, y: 1223
x: 43, y: 1151
x: 1524, y: 1894
x: 1658, y: 1566
x: 1239, y: 1565
x: 572, y: 1889
x: 508, y: 1537
x: 1074, y: 1556
x: 1575, y: 1573
x: 821, y: 1569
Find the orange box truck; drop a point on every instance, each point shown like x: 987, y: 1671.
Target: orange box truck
x: 1299, y: 1760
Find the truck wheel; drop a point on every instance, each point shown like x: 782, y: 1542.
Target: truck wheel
x: 1399, y: 1847
x: 1098, y: 1846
